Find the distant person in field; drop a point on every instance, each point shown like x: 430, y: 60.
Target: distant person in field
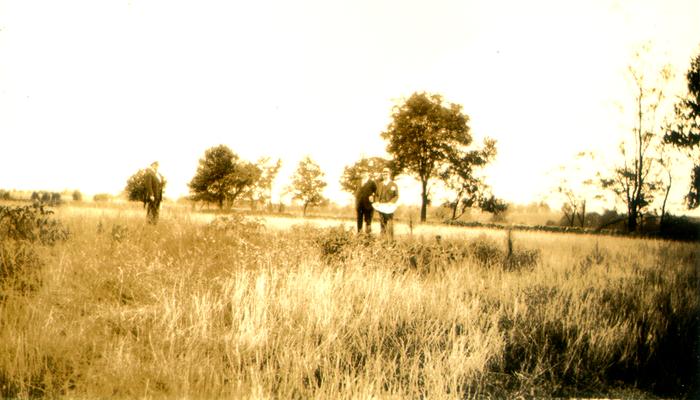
x: 364, y: 196
x: 154, y: 192
x: 385, y: 203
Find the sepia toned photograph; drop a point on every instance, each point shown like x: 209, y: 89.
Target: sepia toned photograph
x: 335, y: 199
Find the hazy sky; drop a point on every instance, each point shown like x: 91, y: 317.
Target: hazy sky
x: 91, y: 91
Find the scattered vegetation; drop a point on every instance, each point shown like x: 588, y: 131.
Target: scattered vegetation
x: 232, y: 308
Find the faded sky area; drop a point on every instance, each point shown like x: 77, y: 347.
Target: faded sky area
x: 92, y: 91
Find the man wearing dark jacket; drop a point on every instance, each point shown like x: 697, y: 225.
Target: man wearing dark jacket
x: 363, y: 203
x: 154, y: 192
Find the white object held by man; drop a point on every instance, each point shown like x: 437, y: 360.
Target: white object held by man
x: 385, y: 208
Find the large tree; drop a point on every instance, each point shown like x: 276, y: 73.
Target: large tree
x: 632, y: 180
x: 423, y: 134
x: 222, y: 176
x: 352, y: 174
x: 684, y: 131
x: 308, y: 183
x: 458, y: 174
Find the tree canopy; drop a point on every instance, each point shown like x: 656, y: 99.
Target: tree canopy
x: 423, y: 134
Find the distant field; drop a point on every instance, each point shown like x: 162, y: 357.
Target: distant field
x: 276, y: 221
x: 207, y: 307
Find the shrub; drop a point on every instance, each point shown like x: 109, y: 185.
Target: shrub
x: 519, y: 258
x: 485, y: 251
x: 102, y: 197
x: 30, y: 223
x: 20, y: 229
x: 333, y: 242
x: 680, y: 228
x: 488, y: 253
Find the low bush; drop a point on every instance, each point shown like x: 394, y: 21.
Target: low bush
x: 21, y: 230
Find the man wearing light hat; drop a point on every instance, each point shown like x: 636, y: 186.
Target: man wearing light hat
x: 386, y: 202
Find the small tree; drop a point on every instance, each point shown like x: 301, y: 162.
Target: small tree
x: 351, y: 179
x: 77, y: 196
x: 308, y: 183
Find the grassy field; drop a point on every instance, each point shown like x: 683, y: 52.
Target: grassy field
x: 202, y: 306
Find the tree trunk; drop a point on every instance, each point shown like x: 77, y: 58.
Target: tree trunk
x: 662, y: 221
x: 582, y: 214
x: 631, y: 219
x: 638, y: 165
x: 306, y: 204
x: 424, y: 200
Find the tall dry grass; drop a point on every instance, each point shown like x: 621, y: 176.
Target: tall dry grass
x: 234, y: 309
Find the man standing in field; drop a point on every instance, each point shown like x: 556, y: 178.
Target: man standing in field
x: 386, y: 198
x: 364, y: 196
x: 154, y: 183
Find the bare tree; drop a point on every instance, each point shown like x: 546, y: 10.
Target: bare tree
x: 631, y: 181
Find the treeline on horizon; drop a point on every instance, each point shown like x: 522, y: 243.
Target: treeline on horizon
x: 523, y: 217
x: 431, y: 141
